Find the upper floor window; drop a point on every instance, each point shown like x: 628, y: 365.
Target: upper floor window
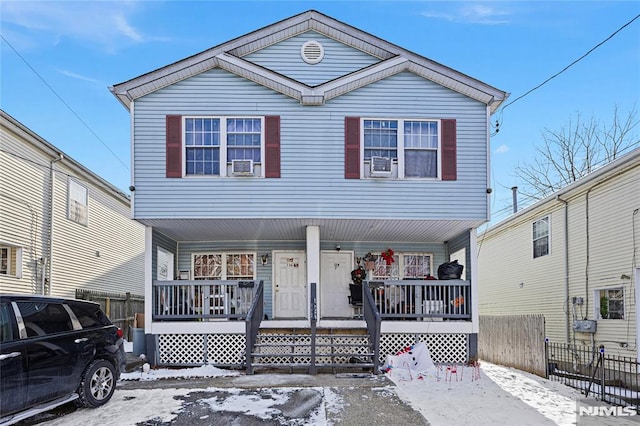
x: 223, y: 146
x: 401, y: 148
x: 541, y: 237
x: 78, y: 203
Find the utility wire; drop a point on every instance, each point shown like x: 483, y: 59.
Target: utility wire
x: 65, y: 103
x: 570, y: 65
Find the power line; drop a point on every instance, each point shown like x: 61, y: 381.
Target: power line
x: 568, y: 66
x: 65, y: 103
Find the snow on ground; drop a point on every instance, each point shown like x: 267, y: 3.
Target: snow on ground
x: 202, y: 371
x: 500, y: 394
x: 488, y: 395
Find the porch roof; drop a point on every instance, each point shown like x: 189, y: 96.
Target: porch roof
x: 294, y: 229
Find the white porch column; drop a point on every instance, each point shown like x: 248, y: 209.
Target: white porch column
x: 473, y: 262
x: 313, y: 258
x: 148, y: 293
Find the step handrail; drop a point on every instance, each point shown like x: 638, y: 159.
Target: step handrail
x: 253, y: 320
x: 374, y: 322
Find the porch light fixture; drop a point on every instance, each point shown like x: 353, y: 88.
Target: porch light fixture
x: 264, y: 258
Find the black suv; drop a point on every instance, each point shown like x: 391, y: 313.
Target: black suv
x: 53, y: 351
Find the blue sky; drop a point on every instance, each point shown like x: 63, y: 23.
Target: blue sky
x: 80, y: 49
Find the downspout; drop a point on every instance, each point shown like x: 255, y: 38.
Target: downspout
x: 46, y: 290
x: 566, y: 267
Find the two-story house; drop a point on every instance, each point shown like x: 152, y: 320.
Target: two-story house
x: 62, y: 227
x: 573, y: 257
x: 267, y: 168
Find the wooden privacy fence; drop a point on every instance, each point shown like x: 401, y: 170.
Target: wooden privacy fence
x: 120, y: 308
x: 514, y: 341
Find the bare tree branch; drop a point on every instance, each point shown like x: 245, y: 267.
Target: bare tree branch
x: 574, y: 151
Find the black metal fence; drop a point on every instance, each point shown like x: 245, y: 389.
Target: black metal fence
x: 609, y: 378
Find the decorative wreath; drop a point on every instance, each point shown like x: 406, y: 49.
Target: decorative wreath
x: 358, y: 275
x: 388, y: 256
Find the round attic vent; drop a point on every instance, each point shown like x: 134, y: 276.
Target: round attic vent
x: 312, y: 52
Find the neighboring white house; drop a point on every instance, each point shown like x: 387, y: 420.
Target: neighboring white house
x: 284, y: 156
x: 62, y: 227
x: 574, y: 257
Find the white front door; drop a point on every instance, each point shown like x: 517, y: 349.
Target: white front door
x: 290, y: 285
x: 335, y: 276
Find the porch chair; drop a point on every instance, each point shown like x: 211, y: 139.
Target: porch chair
x: 355, y: 299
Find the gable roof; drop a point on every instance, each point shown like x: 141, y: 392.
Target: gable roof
x: 9, y: 123
x: 228, y: 56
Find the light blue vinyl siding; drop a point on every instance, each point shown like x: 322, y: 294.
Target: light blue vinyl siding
x: 264, y: 272
x: 312, y: 154
x: 284, y: 58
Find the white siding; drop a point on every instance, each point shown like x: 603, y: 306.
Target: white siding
x: 24, y: 218
x: 512, y: 282
x: 601, y: 250
x: 22, y: 209
x: 312, y: 154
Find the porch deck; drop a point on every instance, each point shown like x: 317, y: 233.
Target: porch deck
x: 210, y: 305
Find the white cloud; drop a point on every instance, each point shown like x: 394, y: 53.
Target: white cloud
x: 80, y: 77
x: 502, y: 149
x: 471, y: 13
x: 107, y: 24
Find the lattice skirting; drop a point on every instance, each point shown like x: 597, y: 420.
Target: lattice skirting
x: 222, y: 350
x: 228, y: 350
x: 444, y: 348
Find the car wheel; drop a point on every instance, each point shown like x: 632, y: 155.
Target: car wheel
x: 98, y: 383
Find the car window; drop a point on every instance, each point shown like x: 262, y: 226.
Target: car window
x: 41, y: 318
x: 89, y: 315
x: 6, y: 328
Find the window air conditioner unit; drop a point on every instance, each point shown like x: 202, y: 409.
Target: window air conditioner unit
x: 242, y: 167
x: 381, y: 166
